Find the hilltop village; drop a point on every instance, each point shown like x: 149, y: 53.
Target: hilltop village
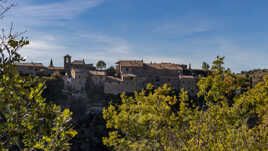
x: 130, y: 75
x: 85, y: 90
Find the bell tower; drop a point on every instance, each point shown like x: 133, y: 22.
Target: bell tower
x: 67, y: 60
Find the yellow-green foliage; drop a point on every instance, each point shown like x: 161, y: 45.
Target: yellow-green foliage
x: 154, y: 120
x: 27, y: 123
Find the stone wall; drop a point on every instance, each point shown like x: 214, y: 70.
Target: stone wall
x: 130, y: 85
x: 148, y: 70
x: 98, y: 80
x: 77, y: 81
x: 113, y: 86
x: 190, y: 85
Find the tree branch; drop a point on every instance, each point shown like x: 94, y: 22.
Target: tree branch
x: 5, y: 7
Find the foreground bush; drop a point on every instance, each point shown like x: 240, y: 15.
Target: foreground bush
x: 27, y: 122
x: 226, y: 119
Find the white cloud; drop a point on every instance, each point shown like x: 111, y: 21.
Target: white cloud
x: 184, y: 26
x: 50, y: 13
x: 42, y: 45
x: 121, y: 49
x: 90, y: 46
x: 43, y: 50
x: 107, y: 44
x: 238, y: 56
x: 241, y: 57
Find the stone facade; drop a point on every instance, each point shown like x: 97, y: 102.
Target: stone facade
x: 134, y: 75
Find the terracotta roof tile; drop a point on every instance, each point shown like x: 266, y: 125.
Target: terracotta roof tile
x: 130, y: 63
x: 163, y: 66
x: 78, y: 62
x: 56, y: 68
x: 30, y: 64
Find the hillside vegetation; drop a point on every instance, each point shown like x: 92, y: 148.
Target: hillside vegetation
x: 229, y: 117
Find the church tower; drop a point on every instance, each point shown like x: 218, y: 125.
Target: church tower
x: 67, y: 61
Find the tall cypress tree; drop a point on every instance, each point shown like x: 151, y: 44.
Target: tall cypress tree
x: 51, y: 63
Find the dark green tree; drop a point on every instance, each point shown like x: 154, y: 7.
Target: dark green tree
x: 101, y: 65
x: 205, y: 66
x: 51, y: 63
x: 110, y: 71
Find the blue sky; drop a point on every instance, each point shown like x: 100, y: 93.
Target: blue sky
x: 177, y: 31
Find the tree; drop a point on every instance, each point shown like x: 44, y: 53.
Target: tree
x: 51, y: 63
x: 205, y: 66
x: 101, y: 65
x: 227, y: 119
x: 144, y: 122
x: 27, y: 122
x: 111, y: 71
x: 220, y: 85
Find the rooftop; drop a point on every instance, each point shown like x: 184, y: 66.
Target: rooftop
x: 78, y: 62
x: 56, y: 68
x: 130, y: 63
x: 30, y: 64
x: 165, y: 66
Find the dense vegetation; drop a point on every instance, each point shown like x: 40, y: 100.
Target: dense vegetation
x: 27, y: 122
x: 229, y: 117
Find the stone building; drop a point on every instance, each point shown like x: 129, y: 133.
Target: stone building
x: 30, y: 68
x: 76, y: 64
x: 134, y: 75
x: 76, y: 73
x: 38, y: 69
